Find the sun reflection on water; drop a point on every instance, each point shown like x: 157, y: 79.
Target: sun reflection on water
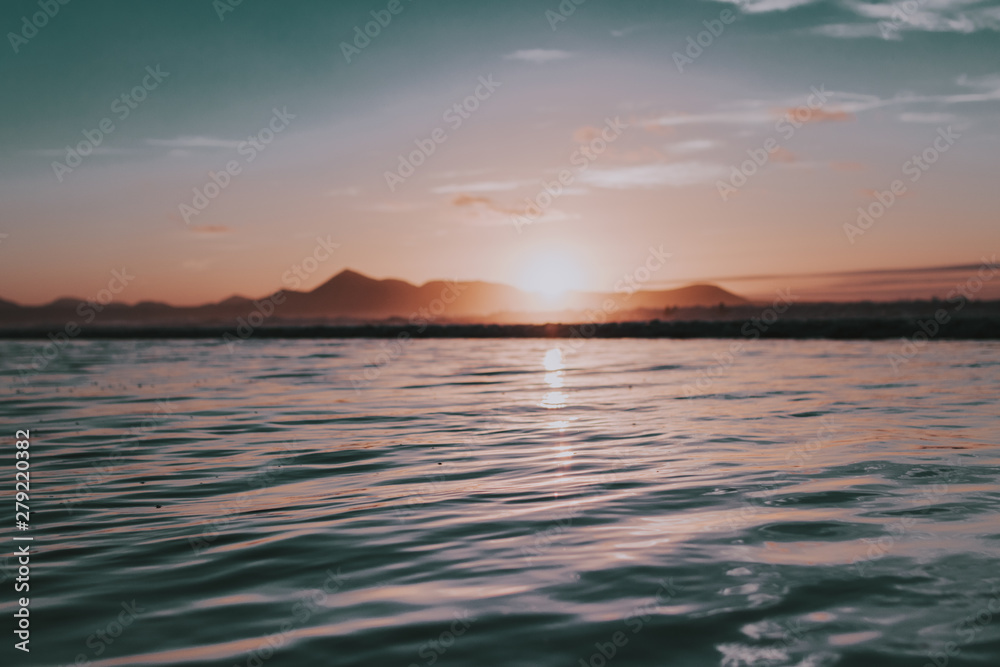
x: 553, y: 364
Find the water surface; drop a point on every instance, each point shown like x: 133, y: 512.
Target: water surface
x: 511, y: 502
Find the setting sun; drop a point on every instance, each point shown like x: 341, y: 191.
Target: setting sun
x: 551, y: 272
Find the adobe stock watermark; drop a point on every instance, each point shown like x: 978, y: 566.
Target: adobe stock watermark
x: 261, y: 479
x: 454, y: 116
x: 431, y: 651
x: 389, y: 352
x: 929, y: 328
x: 309, y: 602
x: 786, y: 127
x: 752, y: 503
x: 562, y: 12
x: 544, y: 539
x: 915, y: 167
x: 294, y: 277
x: 102, y: 471
x: 372, y: 29
x: 425, y: 492
x: 902, y: 14
x: 879, y: 547
x: 104, y: 637
x: 627, y: 286
x: 581, y: 158
x: 245, y: 327
x: 254, y: 145
x: 300, y: 272
x: 751, y: 330
x: 122, y: 106
x: 697, y: 44
x: 966, y: 629
x: 223, y: 7
x: 88, y: 311
x: 635, y: 621
x: 37, y: 21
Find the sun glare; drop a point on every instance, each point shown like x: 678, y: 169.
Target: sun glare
x: 551, y: 272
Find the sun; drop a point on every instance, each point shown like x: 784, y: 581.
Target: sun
x: 551, y: 272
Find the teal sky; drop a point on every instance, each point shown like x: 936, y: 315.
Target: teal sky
x: 897, y: 76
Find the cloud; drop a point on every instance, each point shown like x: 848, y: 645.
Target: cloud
x: 481, y: 186
x: 839, y: 106
x: 586, y: 134
x: 488, y: 212
x: 890, y: 20
x: 470, y: 200
x: 210, y: 229
x: 763, y: 6
x: 484, y: 202
x: 763, y: 112
x: 914, y: 117
x: 678, y: 174
x: 784, y: 155
x: 847, y: 30
x: 692, y: 146
x: 627, y: 31
x: 538, y: 55
x: 641, y: 155
x: 747, y: 116
x: 61, y: 152
x: 988, y: 87
x: 193, y: 142
x: 847, y: 166
x: 817, y: 115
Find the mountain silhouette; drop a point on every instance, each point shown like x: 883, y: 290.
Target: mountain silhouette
x: 355, y: 297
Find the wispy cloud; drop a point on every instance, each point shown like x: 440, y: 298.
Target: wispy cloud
x: 847, y: 166
x: 183, y: 142
x: 847, y: 30
x: 487, y: 212
x: 481, y: 186
x: 627, y: 31
x: 210, y: 229
x: 820, y: 116
x: 988, y: 87
x: 692, y: 146
x: 915, y: 117
x: 678, y: 174
x: 763, y: 6
x: 839, y: 106
x: 538, y: 55
x: 890, y: 20
x: 61, y: 152
x: 762, y: 113
x: 479, y: 200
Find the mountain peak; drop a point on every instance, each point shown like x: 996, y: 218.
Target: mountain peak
x: 348, y: 279
x: 349, y: 274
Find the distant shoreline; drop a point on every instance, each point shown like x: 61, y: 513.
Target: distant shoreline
x: 965, y: 328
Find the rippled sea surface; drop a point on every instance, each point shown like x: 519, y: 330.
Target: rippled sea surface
x: 509, y: 502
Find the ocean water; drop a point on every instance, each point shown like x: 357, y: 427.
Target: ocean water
x: 509, y: 502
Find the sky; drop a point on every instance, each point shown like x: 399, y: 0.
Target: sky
x: 208, y: 148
